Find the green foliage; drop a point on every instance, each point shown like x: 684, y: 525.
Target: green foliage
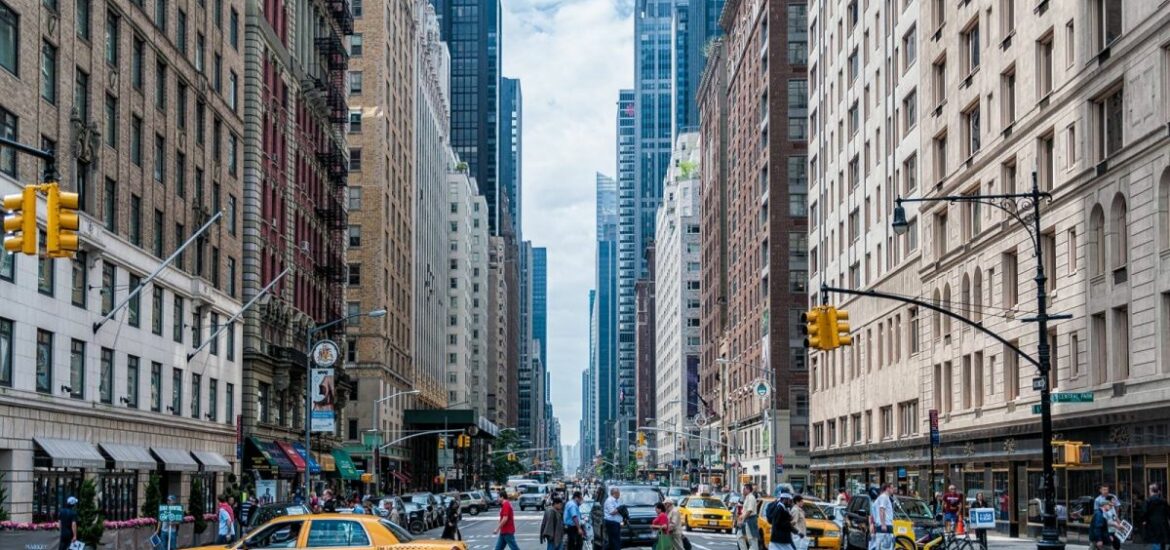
x: 195, y: 506
x: 153, y: 499
x: 686, y: 168
x: 3, y: 499
x: 508, y: 440
x: 90, y: 523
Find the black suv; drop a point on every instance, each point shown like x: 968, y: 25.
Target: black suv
x: 639, y: 502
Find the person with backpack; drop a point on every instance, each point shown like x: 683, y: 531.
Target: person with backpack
x: 781, y: 521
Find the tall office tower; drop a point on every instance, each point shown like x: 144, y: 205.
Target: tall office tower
x: 676, y: 298
x: 876, y: 151
x: 540, y: 301
x: 605, y: 311
x: 479, y: 386
x: 644, y: 378
x: 295, y: 170
x: 665, y: 79
x: 1071, y: 98
x: 433, y: 161
x: 511, y: 140
x: 466, y: 291
x: 627, y: 249
x: 501, y: 397
x: 380, y: 229
x: 525, y: 375
x: 112, y: 88
x: 588, y: 387
x: 472, y: 30
x: 766, y: 236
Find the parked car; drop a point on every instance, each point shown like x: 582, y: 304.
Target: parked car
x: 472, y: 503
x: 416, y: 516
x: 639, y: 501
x: 533, y: 496
x: 430, y: 503
x: 335, y: 531
x: 264, y: 513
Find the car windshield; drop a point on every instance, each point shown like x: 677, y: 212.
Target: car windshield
x: 640, y: 497
x: 678, y: 492
x: 530, y: 489
x: 812, y: 511
x: 420, y: 499
x: 914, y: 508
x: 705, y: 503
x: 399, y: 533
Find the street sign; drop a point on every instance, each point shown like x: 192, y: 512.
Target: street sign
x: 325, y: 353
x: 1073, y: 397
x: 934, y: 436
x: 446, y: 458
x: 1036, y: 409
x: 371, y: 439
x: 762, y: 389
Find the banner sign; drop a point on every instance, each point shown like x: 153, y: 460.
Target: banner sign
x: 170, y: 514
x: 934, y: 436
x: 324, y: 418
x: 981, y: 518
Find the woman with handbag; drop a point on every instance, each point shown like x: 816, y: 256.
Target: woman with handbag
x: 661, y: 524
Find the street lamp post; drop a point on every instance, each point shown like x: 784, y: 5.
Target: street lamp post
x: 309, y: 333
x: 1013, y: 204
x: 378, y: 429
x: 766, y: 419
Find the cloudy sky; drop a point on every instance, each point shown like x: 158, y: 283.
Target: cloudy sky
x: 572, y: 57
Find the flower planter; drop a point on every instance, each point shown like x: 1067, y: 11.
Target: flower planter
x: 122, y: 535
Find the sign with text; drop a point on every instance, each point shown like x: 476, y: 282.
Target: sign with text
x: 934, y: 436
x: 170, y: 514
x: 981, y: 518
x: 323, y: 417
x: 1073, y: 397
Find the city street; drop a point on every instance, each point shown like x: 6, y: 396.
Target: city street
x: 477, y: 533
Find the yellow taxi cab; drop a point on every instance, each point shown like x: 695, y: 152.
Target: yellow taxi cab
x: 705, y: 512
x: 821, y: 531
x: 335, y: 530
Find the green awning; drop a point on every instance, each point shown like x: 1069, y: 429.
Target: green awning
x: 345, y: 465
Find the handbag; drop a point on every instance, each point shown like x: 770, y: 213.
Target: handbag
x: 663, y: 543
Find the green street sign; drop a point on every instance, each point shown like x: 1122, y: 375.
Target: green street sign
x: 371, y: 439
x: 1077, y: 397
x: 1036, y: 409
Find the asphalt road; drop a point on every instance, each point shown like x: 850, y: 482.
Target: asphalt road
x: 477, y: 533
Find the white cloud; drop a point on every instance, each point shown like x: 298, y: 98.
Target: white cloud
x: 572, y: 57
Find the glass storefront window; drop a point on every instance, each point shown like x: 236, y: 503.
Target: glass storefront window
x: 119, y: 492
x: 50, y: 489
x: 999, y: 485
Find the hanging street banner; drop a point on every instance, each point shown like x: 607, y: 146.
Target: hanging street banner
x: 324, y: 417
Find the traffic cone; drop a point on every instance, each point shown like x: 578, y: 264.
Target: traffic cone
x: 961, y: 529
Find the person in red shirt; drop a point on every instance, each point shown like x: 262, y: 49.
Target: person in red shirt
x: 506, y: 529
x: 952, y: 505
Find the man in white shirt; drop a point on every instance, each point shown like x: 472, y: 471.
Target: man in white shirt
x: 883, y: 518
x: 747, y: 517
x: 613, y: 520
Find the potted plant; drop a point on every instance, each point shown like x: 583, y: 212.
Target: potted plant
x: 90, y: 523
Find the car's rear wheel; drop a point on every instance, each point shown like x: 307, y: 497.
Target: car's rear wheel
x: 416, y: 527
x: 474, y: 510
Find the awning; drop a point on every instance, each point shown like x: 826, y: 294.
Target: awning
x: 314, y: 468
x: 292, y: 454
x: 256, y: 457
x: 212, y: 461
x: 283, y: 465
x: 67, y: 453
x: 327, y: 462
x: 398, y: 475
x: 129, y: 457
x: 175, y: 460
x: 345, y: 465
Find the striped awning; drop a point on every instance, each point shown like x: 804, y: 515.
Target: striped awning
x: 212, y: 461
x: 175, y: 460
x: 129, y: 457
x: 67, y: 453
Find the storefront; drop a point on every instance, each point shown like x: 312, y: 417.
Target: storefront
x: 271, y: 469
x: 1130, y: 450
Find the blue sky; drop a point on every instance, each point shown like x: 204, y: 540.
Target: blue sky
x: 572, y: 57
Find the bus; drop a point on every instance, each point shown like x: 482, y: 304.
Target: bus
x: 541, y: 476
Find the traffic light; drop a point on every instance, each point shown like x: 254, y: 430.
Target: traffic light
x: 839, y: 327
x: 442, y: 443
x: 61, y: 230
x: 511, y: 457
x: 641, y: 438
x: 1072, y: 453
x: 816, y: 328
x: 20, y: 225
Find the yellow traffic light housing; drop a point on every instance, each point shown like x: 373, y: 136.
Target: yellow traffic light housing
x: 20, y: 225
x: 839, y: 327
x: 63, y: 222
x: 442, y: 443
x: 641, y: 438
x: 816, y: 328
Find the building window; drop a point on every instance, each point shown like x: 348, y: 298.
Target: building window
x: 177, y: 320
x: 137, y: 63
x: 46, y: 275
x: 1046, y: 160
x: 909, y: 48
x: 1107, y: 18
x: 135, y: 220
x: 908, y: 418
x: 354, y: 198
x: 8, y: 126
x: 176, y: 407
x: 136, y: 140
x: 196, y: 326
x: 355, y: 274
x: 229, y: 402
x: 355, y: 236
x: 213, y: 389
x: 196, y: 395
x: 1007, y: 87
x: 9, y: 39
x: 156, y: 309
x: 49, y: 72
x: 355, y: 121
x: 77, y: 370
x: 355, y: 160
x: 970, y: 41
x: 1044, y: 66
x: 887, y: 419
x: 971, y: 130
x: 131, y: 379
x: 355, y: 8
x: 231, y: 341
x: 111, y: 126
x: 798, y: 109
x: 156, y: 386
x: 106, y: 387
x: 234, y: 29
x: 44, y: 361
x: 6, y: 354
x: 355, y: 82
x: 112, y: 22
x: 909, y: 112
x: 939, y: 81
x: 940, y: 157
x: 1108, y: 111
x: 1008, y: 271
x: 213, y: 346
x: 262, y: 402
x: 134, y: 307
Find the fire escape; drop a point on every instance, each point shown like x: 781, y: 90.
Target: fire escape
x: 330, y: 211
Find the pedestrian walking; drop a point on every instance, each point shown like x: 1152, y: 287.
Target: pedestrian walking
x: 245, y: 514
x: 168, y: 531
x: 842, y: 497
x: 780, y: 519
x: 329, y: 502
x: 676, y: 525
x: 613, y: 520
x: 574, y: 526
x: 883, y: 521
x: 799, y: 526
x: 749, y: 528
x: 981, y: 502
x: 451, y: 526
x: 67, y: 517
x: 552, y: 526
x: 506, y: 528
x: 1109, y: 510
x: 1156, y: 521
x: 661, y: 524
x: 226, y: 521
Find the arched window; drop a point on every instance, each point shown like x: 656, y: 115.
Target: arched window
x: 1118, y: 233
x: 946, y: 304
x: 965, y: 296
x: 1097, y: 240
x: 937, y: 328
x: 977, y: 295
